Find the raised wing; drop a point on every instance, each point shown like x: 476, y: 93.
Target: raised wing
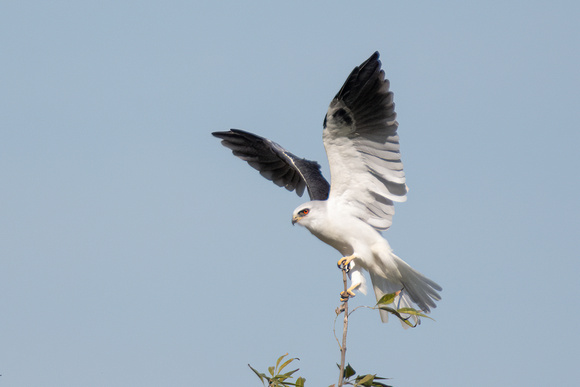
x: 361, y: 141
x: 276, y: 163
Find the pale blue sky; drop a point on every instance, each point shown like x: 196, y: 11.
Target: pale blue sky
x: 136, y: 251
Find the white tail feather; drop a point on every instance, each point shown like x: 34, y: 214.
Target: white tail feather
x: 422, y: 290
x: 416, y: 289
x: 383, y: 286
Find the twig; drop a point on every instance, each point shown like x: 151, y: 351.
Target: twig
x: 344, y: 309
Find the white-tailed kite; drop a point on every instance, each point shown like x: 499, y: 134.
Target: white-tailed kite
x: 362, y: 145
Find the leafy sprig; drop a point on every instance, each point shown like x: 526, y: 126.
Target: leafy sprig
x: 389, y: 299
x: 277, y: 378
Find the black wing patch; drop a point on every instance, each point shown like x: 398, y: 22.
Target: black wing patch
x: 276, y: 163
x: 369, y: 103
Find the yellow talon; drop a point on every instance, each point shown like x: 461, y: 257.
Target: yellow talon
x: 345, y: 261
x: 345, y: 295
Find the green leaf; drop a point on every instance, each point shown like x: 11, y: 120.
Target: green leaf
x: 300, y: 382
x: 388, y: 309
x: 348, y: 371
x: 289, y: 373
x: 396, y: 313
x: 365, y: 380
x: 406, y: 321
x: 413, y: 312
x: 260, y: 375
x: 286, y: 363
x: 280, y: 359
x: 271, y: 370
x: 387, y: 298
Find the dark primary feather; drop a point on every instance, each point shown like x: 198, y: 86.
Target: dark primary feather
x: 368, y: 100
x: 276, y: 163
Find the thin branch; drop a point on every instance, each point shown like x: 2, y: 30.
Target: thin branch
x: 344, y: 309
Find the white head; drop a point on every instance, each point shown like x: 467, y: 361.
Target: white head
x: 308, y: 213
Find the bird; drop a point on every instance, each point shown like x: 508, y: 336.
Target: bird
x: 367, y: 177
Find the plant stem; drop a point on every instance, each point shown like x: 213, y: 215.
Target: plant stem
x: 344, y: 308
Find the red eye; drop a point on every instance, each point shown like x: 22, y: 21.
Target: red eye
x: 305, y: 212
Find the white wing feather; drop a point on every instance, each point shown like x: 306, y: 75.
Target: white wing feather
x: 362, y: 145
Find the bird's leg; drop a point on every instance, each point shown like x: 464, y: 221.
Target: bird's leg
x: 344, y: 262
x: 345, y: 295
x: 344, y: 265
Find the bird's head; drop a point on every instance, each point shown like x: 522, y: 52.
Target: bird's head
x: 300, y: 213
x: 308, y: 213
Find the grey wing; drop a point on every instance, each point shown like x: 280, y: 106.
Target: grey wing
x: 362, y: 145
x: 276, y: 163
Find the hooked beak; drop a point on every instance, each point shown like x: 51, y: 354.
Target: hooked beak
x: 295, y: 219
